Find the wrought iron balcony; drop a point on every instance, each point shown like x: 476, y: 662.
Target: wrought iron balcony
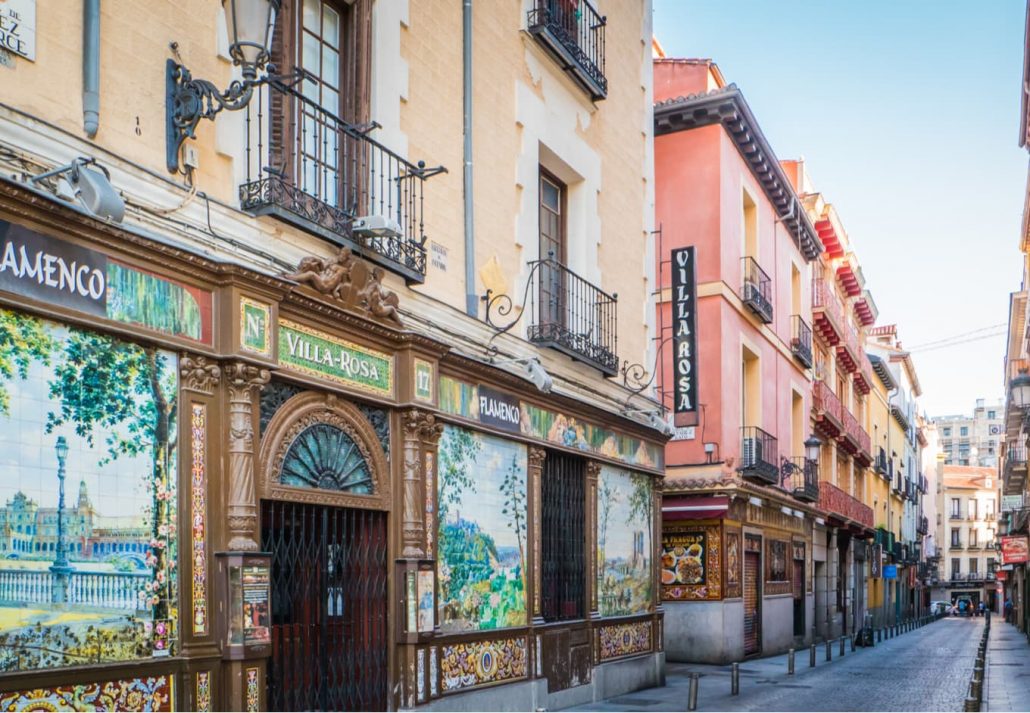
x: 756, y: 290
x: 574, y: 316
x: 759, y: 455
x: 801, y: 340
x: 826, y: 312
x: 308, y: 167
x: 840, y: 505
x: 801, y: 478
x: 827, y: 410
x: 881, y: 461
x: 923, y: 527
x: 573, y: 32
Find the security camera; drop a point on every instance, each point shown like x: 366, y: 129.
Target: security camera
x: 536, y: 373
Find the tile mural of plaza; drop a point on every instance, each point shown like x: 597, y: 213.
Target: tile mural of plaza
x: 624, y: 527
x: 482, y: 531
x: 98, y: 413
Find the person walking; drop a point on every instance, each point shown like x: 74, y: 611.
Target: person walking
x: 1008, y: 610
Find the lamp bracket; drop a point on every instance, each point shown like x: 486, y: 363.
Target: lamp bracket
x: 502, y: 305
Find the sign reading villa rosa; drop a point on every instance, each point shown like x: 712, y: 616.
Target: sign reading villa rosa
x: 319, y: 354
x: 52, y: 271
x: 684, y: 336
x: 18, y: 27
x: 499, y: 410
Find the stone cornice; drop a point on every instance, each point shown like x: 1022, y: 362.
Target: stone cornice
x: 728, y: 107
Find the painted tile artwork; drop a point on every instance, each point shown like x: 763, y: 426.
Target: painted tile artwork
x: 481, y: 496
x: 91, y: 419
x: 479, y: 662
x: 624, y: 527
x: 153, y: 693
x: 620, y: 640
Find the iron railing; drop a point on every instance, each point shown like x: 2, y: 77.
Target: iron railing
x: 801, y: 340
x: 562, y: 528
x: 756, y: 290
x: 573, y: 31
x: 573, y: 316
x: 1015, y: 457
x: 801, y: 478
x: 923, y: 527
x: 759, y: 455
x: 881, y: 461
x: 825, y: 401
x: 309, y: 167
x: 825, y: 305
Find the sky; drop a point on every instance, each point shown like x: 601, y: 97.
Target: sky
x: 907, y: 115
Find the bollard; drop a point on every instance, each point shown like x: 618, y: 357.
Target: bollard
x: 854, y: 641
x: 842, y: 646
x: 829, y: 650
x: 790, y: 662
x: 811, y: 656
x: 978, y: 672
x: 692, y: 693
x: 976, y: 688
x: 971, y: 705
x: 735, y: 679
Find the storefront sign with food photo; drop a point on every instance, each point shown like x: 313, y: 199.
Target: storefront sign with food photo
x: 683, y: 558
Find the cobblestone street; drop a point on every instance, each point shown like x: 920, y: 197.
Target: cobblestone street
x: 927, y: 669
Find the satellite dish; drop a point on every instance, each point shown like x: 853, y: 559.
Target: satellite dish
x: 97, y: 195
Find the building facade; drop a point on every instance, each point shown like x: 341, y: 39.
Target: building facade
x: 968, y: 535
x: 321, y: 363
x: 974, y: 440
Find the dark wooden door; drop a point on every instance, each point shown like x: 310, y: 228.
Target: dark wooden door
x: 329, y: 607
x: 799, y: 597
x: 752, y: 603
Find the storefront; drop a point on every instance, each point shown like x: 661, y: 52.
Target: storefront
x: 228, y: 485
x: 736, y: 571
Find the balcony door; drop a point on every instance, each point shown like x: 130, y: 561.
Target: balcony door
x: 553, y: 300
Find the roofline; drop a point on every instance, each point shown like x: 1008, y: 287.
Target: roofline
x: 728, y: 107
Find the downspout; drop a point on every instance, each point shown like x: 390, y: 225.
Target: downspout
x: 471, y: 298
x: 91, y: 67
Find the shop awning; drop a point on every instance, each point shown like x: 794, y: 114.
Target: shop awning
x: 694, y: 507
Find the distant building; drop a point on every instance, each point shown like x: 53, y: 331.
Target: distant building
x: 973, y: 440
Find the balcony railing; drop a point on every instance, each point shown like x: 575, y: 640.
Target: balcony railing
x: 801, y: 340
x: 307, y: 166
x: 848, y: 352
x: 923, y: 527
x: 756, y: 290
x: 826, y: 312
x: 573, y: 32
x: 881, y: 461
x: 573, y: 316
x: 802, y: 478
x: 759, y: 456
x: 838, y: 503
x: 827, y: 409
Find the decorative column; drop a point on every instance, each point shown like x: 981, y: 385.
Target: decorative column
x: 420, y: 432
x: 242, y: 379
x: 593, y: 473
x: 535, y: 505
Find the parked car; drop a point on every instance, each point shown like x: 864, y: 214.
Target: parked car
x: 965, y: 606
x: 939, y: 607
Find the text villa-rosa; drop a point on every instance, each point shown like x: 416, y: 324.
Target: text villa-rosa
x: 341, y: 359
x: 53, y: 271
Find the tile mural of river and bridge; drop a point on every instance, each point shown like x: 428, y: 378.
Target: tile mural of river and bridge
x: 113, y: 405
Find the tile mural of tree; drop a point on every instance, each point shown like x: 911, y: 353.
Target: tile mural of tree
x: 482, y: 531
x: 624, y: 527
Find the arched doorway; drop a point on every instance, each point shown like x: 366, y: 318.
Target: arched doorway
x: 323, y: 519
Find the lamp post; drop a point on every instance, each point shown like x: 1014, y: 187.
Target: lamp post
x: 251, y: 24
x: 60, y: 568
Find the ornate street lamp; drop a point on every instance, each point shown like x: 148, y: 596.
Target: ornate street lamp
x: 60, y: 567
x: 251, y: 24
x: 812, y: 447
x: 1019, y: 391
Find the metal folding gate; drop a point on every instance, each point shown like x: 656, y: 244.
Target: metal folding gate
x: 799, y: 597
x: 752, y: 597
x: 329, y: 607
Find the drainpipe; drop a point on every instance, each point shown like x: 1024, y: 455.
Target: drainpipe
x: 91, y: 67
x: 471, y: 298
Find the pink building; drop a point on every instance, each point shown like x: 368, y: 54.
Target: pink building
x: 739, y: 485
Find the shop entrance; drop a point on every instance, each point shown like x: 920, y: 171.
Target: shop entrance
x: 752, y: 595
x: 799, y: 590
x: 329, y: 607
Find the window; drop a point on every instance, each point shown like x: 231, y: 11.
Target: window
x: 992, y: 415
x: 972, y: 565
x: 964, y: 431
x: 751, y: 389
x: 956, y: 565
x: 562, y: 543
x: 955, y: 512
x: 954, y: 537
x: 971, y: 508
x: 989, y: 508
x: 972, y: 537
x: 990, y: 536
x: 749, y: 210
x: 947, y: 432
x: 795, y: 289
x: 552, y: 247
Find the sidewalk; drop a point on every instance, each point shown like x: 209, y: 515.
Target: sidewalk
x: 1007, y: 678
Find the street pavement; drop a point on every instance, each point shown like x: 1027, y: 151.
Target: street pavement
x: 926, y: 669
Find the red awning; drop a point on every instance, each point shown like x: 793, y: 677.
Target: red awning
x: 694, y: 507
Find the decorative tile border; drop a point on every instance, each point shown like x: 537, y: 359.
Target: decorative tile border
x: 619, y: 640
x: 255, y: 326
x: 153, y: 693
x: 253, y: 695
x: 203, y: 699
x: 198, y: 490
x: 477, y: 663
x: 433, y: 689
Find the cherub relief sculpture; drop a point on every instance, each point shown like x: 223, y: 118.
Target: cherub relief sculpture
x: 378, y: 300
x: 330, y: 276
x: 349, y: 279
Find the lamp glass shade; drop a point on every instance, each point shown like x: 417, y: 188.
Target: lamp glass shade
x: 62, y: 448
x: 1019, y: 390
x: 812, y: 446
x: 250, y: 24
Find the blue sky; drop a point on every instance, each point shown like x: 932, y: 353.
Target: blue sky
x: 907, y: 115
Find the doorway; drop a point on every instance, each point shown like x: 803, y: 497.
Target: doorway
x: 329, y: 607
x: 752, y: 595
x: 799, y: 590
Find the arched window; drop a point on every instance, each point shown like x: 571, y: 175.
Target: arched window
x: 324, y: 456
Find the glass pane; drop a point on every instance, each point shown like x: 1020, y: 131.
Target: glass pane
x: 550, y: 195
x: 311, y: 13
x: 310, y: 53
x: 310, y: 178
x: 311, y: 134
x: 331, y: 27
x: 330, y: 100
x: 330, y: 67
x: 310, y: 90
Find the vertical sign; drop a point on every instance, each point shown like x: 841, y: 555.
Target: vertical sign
x: 684, y: 337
